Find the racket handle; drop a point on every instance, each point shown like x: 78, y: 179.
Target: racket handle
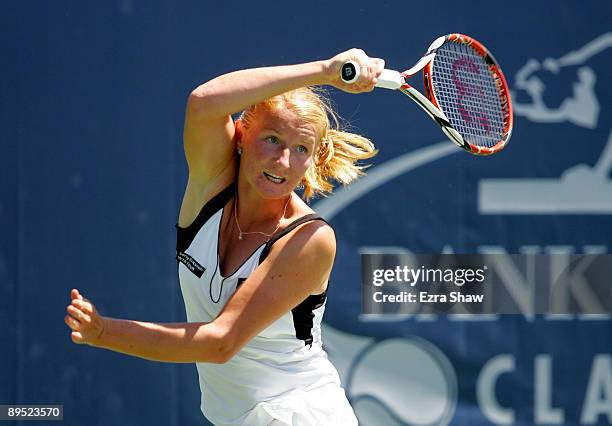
x: 388, y: 79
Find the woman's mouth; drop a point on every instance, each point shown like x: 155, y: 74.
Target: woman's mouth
x: 274, y: 178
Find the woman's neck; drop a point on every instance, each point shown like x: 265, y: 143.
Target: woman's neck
x: 254, y: 211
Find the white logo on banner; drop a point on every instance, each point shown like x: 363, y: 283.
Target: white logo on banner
x: 373, y: 379
x: 581, y: 189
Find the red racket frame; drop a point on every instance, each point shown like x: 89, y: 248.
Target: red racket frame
x: 502, y: 87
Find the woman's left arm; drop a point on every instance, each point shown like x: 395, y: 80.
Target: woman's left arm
x: 297, y: 266
x: 172, y: 342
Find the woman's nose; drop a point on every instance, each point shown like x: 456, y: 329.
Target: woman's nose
x: 283, y: 157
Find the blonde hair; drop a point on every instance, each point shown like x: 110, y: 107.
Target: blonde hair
x: 338, y: 151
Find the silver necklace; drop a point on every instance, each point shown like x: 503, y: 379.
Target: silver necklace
x: 241, y: 233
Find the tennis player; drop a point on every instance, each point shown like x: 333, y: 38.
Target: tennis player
x: 254, y: 258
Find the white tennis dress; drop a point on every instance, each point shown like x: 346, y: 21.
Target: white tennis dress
x: 282, y: 376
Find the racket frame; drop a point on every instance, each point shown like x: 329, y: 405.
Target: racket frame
x: 395, y: 80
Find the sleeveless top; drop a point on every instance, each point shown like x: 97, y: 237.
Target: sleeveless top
x: 285, y: 356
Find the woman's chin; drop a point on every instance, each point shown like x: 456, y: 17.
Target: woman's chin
x: 270, y: 190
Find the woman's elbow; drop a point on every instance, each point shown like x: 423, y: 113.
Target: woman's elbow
x: 222, y: 355
x: 199, y: 98
x: 220, y: 348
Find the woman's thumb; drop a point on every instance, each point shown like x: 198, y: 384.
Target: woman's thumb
x: 74, y: 294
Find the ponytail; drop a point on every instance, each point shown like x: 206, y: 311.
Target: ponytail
x: 337, y: 160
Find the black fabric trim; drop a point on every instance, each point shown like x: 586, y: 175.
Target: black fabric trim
x: 303, y: 316
x: 185, y: 236
x: 285, y: 231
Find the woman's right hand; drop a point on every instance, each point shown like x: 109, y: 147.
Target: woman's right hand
x: 370, y: 69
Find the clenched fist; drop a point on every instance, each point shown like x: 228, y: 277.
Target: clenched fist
x: 370, y: 71
x: 86, y: 324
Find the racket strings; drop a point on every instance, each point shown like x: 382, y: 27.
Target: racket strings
x: 467, y: 92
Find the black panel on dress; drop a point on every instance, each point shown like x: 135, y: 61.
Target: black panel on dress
x: 285, y: 231
x: 184, y: 236
x: 303, y: 314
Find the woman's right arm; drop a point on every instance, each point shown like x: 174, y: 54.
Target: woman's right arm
x: 209, y: 132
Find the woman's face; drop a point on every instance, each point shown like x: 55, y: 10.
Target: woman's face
x: 277, y: 149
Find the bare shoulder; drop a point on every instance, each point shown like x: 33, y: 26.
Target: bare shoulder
x: 314, y: 236
x: 307, y: 251
x: 317, y: 233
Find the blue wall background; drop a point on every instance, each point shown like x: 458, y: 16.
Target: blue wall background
x: 93, y: 96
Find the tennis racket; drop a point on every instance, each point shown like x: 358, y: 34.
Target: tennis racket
x: 466, y: 92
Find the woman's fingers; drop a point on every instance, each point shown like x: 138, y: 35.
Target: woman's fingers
x: 79, y: 314
x: 82, y: 305
x: 72, y: 323
x: 369, y: 70
x: 380, y: 65
x: 77, y: 337
x: 86, y: 308
x: 86, y: 324
x: 366, y: 66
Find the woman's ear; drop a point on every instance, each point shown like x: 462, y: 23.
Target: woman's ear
x: 239, y: 129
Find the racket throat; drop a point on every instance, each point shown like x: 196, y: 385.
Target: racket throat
x: 437, y: 115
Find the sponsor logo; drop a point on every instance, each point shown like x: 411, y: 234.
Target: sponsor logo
x: 191, y: 264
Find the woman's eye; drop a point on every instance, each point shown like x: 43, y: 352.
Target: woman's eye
x: 302, y: 149
x: 272, y: 139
